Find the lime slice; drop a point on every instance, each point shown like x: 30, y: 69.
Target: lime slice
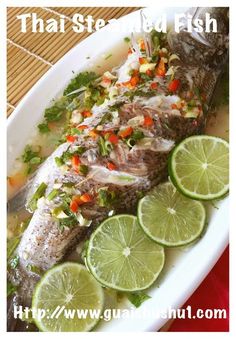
x: 122, y: 257
x: 199, y: 167
x: 68, y: 286
x: 170, y: 218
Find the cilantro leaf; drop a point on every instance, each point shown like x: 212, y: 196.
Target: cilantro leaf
x: 32, y: 205
x: 82, y: 79
x: 43, y: 128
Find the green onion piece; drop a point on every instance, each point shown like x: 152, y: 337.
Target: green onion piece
x: 127, y: 39
x: 106, y: 197
x: 83, y: 169
x: 59, y: 162
x: 105, y: 147
x: 130, y: 142
x: 34, y: 269
x: 53, y: 194
x: 11, y: 246
x: 57, y: 210
x: 79, y: 151
x: 137, y: 135
x: 14, y: 261
x: 43, y: 128
x: 37, y: 195
x: 35, y: 160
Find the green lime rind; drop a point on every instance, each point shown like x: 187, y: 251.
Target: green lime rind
x: 185, y: 167
x: 70, y: 285
x: 169, y: 218
x: 122, y: 257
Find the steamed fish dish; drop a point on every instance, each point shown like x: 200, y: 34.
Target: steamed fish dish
x: 119, y: 128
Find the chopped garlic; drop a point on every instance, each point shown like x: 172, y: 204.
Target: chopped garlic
x: 99, y: 128
x: 113, y: 92
x: 76, y: 117
x: 82, y: 221
x: 136, y: 121
x: 109, y: 76
x: 147, y: 67
x: 40, y: 202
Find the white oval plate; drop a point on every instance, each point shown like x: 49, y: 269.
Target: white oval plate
x: 185, y: 268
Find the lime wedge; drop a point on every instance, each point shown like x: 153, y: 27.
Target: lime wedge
x: 68, y: 286
x: 199, y: 167
x: 122, y: 257
x: 169, y: 218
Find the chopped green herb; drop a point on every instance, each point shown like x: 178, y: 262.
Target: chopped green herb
x: 73, y: 105
x: 80, y: 150
x: 67, y: 155
x: 136, y: 135
x: 105, y: 118
x: 34, y: 269
x: 55, y: 112
x: 116, y: 106
x: 74, y: 131
x: 137, y: 298
x: 12, y: 245
x: 127, y: 39
x: 31, y: 156
x: 32, y: 205
x: 14, y: 261
x: 106, y: 197
x: 35, y: 161
x: 94, y: 95
x: 105, y: 146
x: 140, y: 93
x: 157, y: 39
x: 83, y: 169
x: 145, y: 76
x: 82, y: 79
x: 67, y: 222
x: 43, y: 128
x: 53, y: 194
x: 59, y: 162
x: 30, y: 153
x: 68, y: 184
x: 125, y: 178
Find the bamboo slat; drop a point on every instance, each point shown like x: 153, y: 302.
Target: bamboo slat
x: 30, y: 55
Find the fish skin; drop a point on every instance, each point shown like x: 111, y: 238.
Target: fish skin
x: 43, y: 241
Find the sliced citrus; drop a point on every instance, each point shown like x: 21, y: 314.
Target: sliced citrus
x: 199, y: 167
x: 122, y: 257
x: 170, y: 218
x: 68, y: 287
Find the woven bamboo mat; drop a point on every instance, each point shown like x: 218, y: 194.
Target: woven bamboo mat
x: 30, y: 55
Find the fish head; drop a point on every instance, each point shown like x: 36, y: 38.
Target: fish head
x: 206, y: 49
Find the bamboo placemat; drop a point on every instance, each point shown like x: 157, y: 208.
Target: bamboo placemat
x: 30, y: 55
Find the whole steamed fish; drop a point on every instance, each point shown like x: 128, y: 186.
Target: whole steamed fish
x: 122, y: 146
